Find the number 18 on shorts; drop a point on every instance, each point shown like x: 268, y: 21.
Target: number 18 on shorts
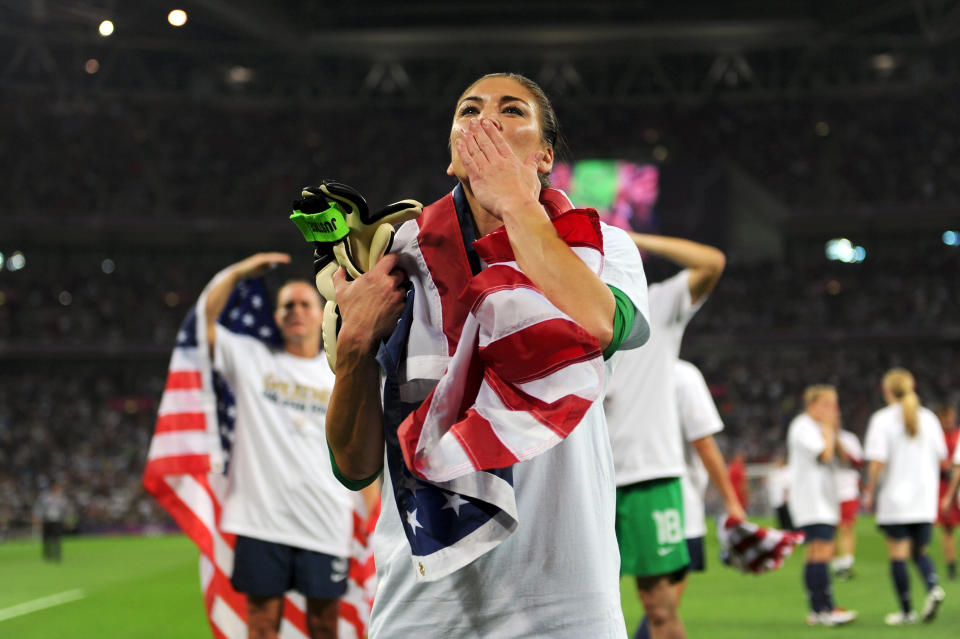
x: 650, y: 529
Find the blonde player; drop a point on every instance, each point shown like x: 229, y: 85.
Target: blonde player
x: 814, y: 507
x: 904, y: 446
x: 847, y: 475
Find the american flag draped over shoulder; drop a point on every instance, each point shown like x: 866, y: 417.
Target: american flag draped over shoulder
x: 187, y: 462
x: 521, y: 377
x: 752, y: 548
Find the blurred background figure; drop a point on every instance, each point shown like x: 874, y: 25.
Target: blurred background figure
x: 814, y: 506
x: 699, y: 422
x: 847, y: 475
x: 778, y: 491
x: 737, y: 472
x: 51, y: 517
x: 948, y: 518
x: 905, y: 445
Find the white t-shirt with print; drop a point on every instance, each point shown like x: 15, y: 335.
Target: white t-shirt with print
x: 847, y: 474
x: 280, y: 484
x: 908, y: 488
x: 557, y: 575
x: 698, y: 419
x: 641, y: 402
x: 813, y: 489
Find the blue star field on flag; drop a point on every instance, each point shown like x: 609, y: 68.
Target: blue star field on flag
x: 248, y: 312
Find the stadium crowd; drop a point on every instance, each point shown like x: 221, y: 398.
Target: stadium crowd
x: 48, y: 410
x: 89, y: 423
x: 174, y: 160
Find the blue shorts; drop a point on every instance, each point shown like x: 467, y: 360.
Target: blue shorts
x: 698, y: 562
x: 818, y: 532
x: 918, y: 534
x: 265, y: 569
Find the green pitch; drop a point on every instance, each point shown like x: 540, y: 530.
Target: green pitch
x: 148, y: 587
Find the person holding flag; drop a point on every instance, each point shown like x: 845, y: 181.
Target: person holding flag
x: 498, y: 500
x: 645, y: 433
x: 699, y: 422
x: 283, y: 522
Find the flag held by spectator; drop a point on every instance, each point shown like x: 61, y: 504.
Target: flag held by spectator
x: 186, y: 466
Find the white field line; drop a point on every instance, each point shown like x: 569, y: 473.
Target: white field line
x: 41, y: 603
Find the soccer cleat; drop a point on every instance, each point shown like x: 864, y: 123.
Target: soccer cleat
x: 843, y: 574
x: 835, y: 617
x: 930, y: 605
x: 898, y: 618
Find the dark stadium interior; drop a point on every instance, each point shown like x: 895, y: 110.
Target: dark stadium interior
x: 775, y: 127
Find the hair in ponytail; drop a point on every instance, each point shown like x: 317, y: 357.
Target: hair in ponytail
x: 898, y: 382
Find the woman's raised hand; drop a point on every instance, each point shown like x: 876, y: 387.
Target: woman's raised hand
x: 500, y: 180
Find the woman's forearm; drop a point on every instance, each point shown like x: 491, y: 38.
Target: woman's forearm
x: 557, y: 271
x: 355, y: 415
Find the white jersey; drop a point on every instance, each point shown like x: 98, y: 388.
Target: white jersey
x: 641, y: 402
x: 698, y: 419
x: 847, y: 473
x: 281, y: 487
x: 908, y: 489
x: 557, y: 575
x: 778, y: 486
x: 813, y: 490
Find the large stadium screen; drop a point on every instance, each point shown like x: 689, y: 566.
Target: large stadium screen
x: 624, y: 193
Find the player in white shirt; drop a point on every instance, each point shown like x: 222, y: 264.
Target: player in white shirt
x: 293, y: 519
x: 814, y: 507
x: 699, y: 422
x: 904, y: 446
x: 556, y: 575
x: 645, y: 434
x: 847, y: 475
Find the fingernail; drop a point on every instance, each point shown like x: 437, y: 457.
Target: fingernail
x: 485, y: 123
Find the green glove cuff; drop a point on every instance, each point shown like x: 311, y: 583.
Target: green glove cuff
x: 325, y: 226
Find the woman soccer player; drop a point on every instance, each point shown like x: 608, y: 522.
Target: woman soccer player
x: 904, y: 446
x: 556, y: 575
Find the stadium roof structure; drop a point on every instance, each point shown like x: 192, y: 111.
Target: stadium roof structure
x: 340, y: 52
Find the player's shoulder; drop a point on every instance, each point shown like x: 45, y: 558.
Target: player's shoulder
x: 687, y: 372
x: 884, y: 417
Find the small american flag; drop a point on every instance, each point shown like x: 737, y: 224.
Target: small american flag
x: 752, y: 548
x: 187, y: 462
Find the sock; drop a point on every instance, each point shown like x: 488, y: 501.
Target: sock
x: 826, y: 587
x: 952, y: 569
x: 901, y: 583
x: 816, y: 578
x: 643, y: 630
x: 925, y: 566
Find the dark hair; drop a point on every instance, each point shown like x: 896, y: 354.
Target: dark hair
x: 549, y: 124
x: 299, y: 280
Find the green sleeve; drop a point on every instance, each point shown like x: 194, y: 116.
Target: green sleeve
x: 623, y: 318
x: 352, y: 484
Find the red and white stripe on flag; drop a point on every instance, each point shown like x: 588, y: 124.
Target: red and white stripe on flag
x: 752, y: 548
x: 523, y: 375
x: 179, y: 474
